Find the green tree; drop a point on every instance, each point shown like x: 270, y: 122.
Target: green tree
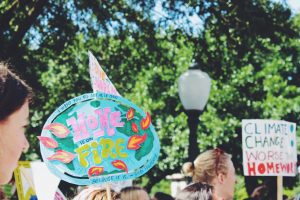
x: 249, y: 48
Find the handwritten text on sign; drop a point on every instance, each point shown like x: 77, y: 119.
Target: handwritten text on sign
x: 269, y: 148
x: 96, y: 138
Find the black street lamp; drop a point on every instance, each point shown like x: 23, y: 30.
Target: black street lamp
x: 194, y: 88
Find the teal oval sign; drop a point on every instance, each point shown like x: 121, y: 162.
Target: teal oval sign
x: 97, y: 138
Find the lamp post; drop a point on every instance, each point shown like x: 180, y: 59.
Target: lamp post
x: 194, y: 88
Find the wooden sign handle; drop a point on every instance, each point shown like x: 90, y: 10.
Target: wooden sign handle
x: 279, y: 188
x: 108, y: 192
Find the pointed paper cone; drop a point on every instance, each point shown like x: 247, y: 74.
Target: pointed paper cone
x: 99, y: 80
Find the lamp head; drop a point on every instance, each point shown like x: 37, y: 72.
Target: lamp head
x: 194, y: 88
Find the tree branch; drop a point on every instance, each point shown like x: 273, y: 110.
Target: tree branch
x: 25, y: 25
x: 8, y: 15
x: 156, y: 179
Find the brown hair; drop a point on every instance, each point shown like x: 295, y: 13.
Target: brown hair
x: 196, y: 191
x: 13, y: 92
x: 132, y: 193
x: 207, y: 165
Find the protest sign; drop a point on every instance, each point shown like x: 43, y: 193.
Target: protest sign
x: 45, y: 190
x: 99, y: 137
x: 269, y: 148
x: 24, y: 181
x: 30, y: 181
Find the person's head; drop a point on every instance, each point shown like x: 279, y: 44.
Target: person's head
x: 93, y: 193
x: 162, y: 196
x: 14, y: 112
x: 215, y: 168
x: 134, y: 193
x: 196, y: 191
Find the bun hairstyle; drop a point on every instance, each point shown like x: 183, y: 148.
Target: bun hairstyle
x: 207, y: 166
x: 13, y: 92
x: 188, y: 169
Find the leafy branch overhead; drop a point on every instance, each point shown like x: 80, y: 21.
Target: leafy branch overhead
x: 249, y: 48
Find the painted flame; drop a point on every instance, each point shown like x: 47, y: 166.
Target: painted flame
x: 130, y: 114
x: 58, y: 129
x: 48, y: 142
x: 134, y: 127
x: 95, y: 171
x: 120, y: 165
x: 135, y: 141
x: 102, y: 75
x: 62, y: 156
x: 145, y: 123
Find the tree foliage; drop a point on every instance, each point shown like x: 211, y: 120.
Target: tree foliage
x: 249, y: 48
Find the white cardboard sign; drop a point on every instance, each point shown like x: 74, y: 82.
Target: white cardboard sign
x: 269, y: 147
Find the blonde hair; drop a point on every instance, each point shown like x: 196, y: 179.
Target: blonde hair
x: 133, y: 193
x: 207, y: 165
x: 95, y: 194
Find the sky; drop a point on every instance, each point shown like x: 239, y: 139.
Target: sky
x: 159, y: 13
x: 294, y: 4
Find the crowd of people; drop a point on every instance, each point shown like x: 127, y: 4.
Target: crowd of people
x: 212, y: 172
x: 213, y: 168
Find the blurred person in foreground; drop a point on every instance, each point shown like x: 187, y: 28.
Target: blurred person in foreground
x: 15, y: 96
